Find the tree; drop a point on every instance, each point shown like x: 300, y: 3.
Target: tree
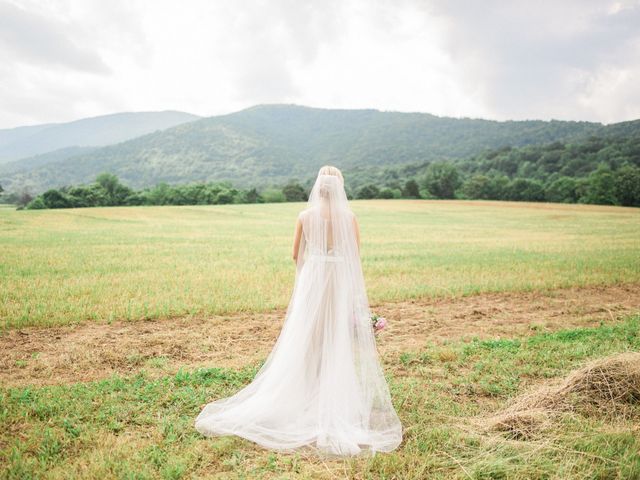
x: 252, y: 196
x: 582, y: 189
x: 273, y: 195
x: 442, y: 179
x: 225, y: 197
x: 368, y: 191
x: 294, y: 192
x: 525, y: 190
x: 24, y: 197
x: 411, y: 189
x: 36, y: 204
x: 87, y: 195
x: 109, y: 182
x: 135, y: 198
x: 627, y: 186
x: 601, y: 186
x: 211, y: 193
x: 158, y: 195
x: 386, y: 193
x: 55, y: 199
x: 478, y: 187
x: 500, y: 187
x: 116, y: 192
x: 562, y: 190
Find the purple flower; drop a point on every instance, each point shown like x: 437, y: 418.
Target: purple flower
x: 378, y: 323
x: 381, y: 323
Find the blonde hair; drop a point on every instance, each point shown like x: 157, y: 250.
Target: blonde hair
x: 331, y: 170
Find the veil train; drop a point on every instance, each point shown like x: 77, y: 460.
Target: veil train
x: 322, y: 386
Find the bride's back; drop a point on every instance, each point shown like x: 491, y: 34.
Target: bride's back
x: 327, y: 230
x: 328, y: 225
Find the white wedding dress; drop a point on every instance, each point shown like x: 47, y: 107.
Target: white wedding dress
x: 322, y: 386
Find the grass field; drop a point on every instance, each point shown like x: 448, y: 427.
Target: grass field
x: 65, y: 266
x: 141, y: 427
x: 452, y: 363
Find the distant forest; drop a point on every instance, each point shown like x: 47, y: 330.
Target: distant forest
x: 596, y: 170
x: 267, y: 146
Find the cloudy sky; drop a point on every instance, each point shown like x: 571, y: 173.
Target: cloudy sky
x: 567, y: 59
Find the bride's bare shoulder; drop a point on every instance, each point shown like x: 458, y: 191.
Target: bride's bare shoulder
x: 304, y: 213
x: 309, y: 210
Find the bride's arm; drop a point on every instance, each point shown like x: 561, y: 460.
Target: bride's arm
x: 296, y: 240
x: 356, y: 228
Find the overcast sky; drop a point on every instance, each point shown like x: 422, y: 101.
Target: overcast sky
x: 62, y: 60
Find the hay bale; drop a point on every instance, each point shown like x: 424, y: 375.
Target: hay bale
x: 522, y: 425
x: 604, y: 387
x: 611, y: 380
x: 541, y: 398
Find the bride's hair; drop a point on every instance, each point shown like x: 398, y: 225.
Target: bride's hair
x: 329, y: 179
x: 331, y: 170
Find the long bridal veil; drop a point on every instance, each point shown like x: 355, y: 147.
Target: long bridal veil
x: 322, y: 385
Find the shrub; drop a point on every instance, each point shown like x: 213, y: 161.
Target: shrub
x: 55, y: 199
x: 294, y: 192
x: 411, y: 189
x: 442, y: 179
x: 368, y: 191
x: 562, y: 190
x: 273, y: 195
x: 627, y: 186
x: 385, y: 193
x: 36, y: 204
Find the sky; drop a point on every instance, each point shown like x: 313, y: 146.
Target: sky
x: 62, y: 60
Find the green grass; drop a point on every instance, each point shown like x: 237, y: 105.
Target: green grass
x: 65, y: 266
x: 141, y: 427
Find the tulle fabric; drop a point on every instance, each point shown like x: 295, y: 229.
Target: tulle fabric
x: 321, y: 388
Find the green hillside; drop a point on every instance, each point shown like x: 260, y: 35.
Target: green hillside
x: 26, y: 164
x: 599, y: 169
x: 271, y: 144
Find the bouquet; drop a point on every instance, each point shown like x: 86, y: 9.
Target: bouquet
x: 378, y: 323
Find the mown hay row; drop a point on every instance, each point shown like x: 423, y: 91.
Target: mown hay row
x: 607, y: 387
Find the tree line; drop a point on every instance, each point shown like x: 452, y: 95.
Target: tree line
x: 107, y: 190
x: 442, y: 180
x: 597, y: 171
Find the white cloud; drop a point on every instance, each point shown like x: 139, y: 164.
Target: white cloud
x: 549, y: 59
x: 30, y: 37
x: 67, y: 59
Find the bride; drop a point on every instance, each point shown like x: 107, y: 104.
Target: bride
x: 322, y: 386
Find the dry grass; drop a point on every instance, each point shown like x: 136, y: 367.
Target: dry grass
x: 91, y: 351
x: 605, y: 387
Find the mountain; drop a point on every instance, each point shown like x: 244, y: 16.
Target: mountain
x: 622, y: 129
x: 30, y: 163
x: 14, y: 135
x: 272, y: 143
x: 22, y: 142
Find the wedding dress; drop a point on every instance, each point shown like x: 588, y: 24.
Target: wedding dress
x: 322, y: 386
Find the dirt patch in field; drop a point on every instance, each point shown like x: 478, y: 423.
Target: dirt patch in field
x: 59, y: 355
